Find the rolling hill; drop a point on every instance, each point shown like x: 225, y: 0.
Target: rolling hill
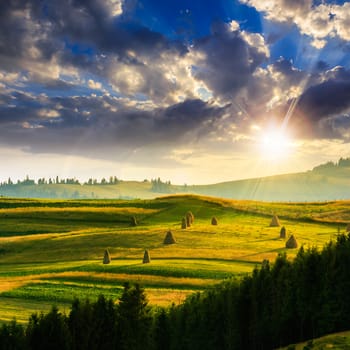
x: 51, y: 250
x: 325, y: 182
x: 316, y: 185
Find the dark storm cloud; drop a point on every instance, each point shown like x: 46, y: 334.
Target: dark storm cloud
x: 325, y: 100
x: 285, y: 67
x: 321, y: 66
x: 323, y: 108
x: 336, y: 127
x: 75, y: 32
x: 57, y: 43
x: 100, y: 123
x: 13, y: 27
x: 88, y: 22
x: 229, y: 61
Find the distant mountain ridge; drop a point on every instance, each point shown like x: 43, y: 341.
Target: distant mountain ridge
x: 328, y: 181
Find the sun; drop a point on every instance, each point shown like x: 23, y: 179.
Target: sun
x: 275, y: 145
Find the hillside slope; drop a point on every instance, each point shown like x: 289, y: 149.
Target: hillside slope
x: 308, y: 186
x: 321, y: 184
x: 333, y: 341
x: 52, y: 250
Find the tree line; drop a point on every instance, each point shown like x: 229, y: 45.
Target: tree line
x: 279, y: 304
x: 341, y: 163
x: 113, y: 180
x: 161, y: 186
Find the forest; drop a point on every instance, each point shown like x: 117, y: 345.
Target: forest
x: 279, y: 304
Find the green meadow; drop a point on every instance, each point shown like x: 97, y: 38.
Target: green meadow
x: 51, y: 251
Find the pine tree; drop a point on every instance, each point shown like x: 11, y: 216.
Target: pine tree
x: 12, y: 336
x: 80, y: 323
x: 48, y: 331
x: 134, y: 319
x: 162, y: 331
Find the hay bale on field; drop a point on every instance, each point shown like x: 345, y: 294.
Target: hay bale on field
x: 292, y: 242
x: 133, y: 221
x: 189, y: 218
x: 348, y: 228
x: 214, y: 220
x: 169, y: 238
x: 283, y: 232
x: 275, y: 222
x: 106, y: 257
x: 146, y: 257
x: 183, y: 224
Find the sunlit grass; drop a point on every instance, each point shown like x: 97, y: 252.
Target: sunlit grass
x: 339, y: 340
x: 63, y: 292
x: 51, y: 251
x: 21, y: 309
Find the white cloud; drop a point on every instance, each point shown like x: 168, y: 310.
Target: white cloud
x: 9, y: 77
x: 319, y: 44
x: 342, y: 20
x: 48, y: 113
x: 257, y: 41
x: 319, y: 22
x: 114, y: 7
x: 95, y: 85
x: 164, y: 80
x: 280, y: 10
x: 234, y: 26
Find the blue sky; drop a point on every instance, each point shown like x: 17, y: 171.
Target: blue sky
x: 145, y: 88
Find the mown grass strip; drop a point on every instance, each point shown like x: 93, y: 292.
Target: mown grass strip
x: 146, y: 280
x: 173, y: 268
x: 62, y: 292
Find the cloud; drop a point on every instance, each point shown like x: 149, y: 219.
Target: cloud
x: 94, y: 85
x: 326, y: 99
x: 311, y: 104
x: 281, y: 10
x: 86, y: 77
x: 323, y: 108
x: 275, y: 85
x: 57, y: 39
x: 228, y: 59
x: 100, y: 124
x: 321, y: 22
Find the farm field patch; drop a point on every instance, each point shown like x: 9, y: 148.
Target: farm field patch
x: 51, y: 251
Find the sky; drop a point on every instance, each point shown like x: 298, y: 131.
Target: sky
x: 194, y: 92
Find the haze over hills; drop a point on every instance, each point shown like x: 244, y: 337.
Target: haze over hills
x: 329, y: 181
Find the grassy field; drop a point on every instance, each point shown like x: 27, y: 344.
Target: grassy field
x: 336, y: 341
x: 51, y: 250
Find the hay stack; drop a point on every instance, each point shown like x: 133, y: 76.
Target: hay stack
x: 183, y: 224
x: 169, y: 238
x: 133, y: 221
x: 146, y: 257
x: 189, y: 218
x: 274, y: 221
x: 283, y: 232
x: 106, y: 257
x: 214, y: 220
x: 348, y: 228
x: 292, y: 242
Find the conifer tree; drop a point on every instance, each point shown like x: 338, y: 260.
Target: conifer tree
x: 134, y: 319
